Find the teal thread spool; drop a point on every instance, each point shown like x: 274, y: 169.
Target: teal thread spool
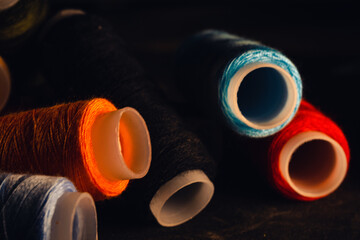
x: 256, y: 89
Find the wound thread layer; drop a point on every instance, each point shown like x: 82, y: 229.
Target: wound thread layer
x: 28, y: 203
x: 57, y: 141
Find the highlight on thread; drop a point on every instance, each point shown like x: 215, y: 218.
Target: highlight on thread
x: 5, y: 83
x: 91, y: 142
x: 310, y: 157
x: 54, y: 211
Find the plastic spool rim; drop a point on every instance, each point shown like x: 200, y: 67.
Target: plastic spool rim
x: 109, y: 150
x: 5, y: 83
x: 65, y: 13
x: 334, y: 178
x: 194, y: 191
x: 5, y: 4
x: 67, y: 206
x: 286, y: 111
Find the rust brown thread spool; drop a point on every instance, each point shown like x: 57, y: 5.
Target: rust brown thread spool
x: 91, y: 142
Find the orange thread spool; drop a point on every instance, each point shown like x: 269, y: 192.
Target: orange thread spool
x: 60, y: 140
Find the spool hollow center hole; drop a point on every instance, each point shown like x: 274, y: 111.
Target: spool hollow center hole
x: 311, y: 165
x: 133, y: 142
x: 262, y: 95
x: 185, y: 203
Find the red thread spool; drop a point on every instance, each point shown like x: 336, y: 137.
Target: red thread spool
x: 92, y: 143
x: 309, y: 158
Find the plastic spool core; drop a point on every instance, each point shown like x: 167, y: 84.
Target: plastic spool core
x: 182, y: 198
x: 5, y: 4
x: 64, y: 14
x: 5, y: 84
x: 262, y: 95
x: 74, y: 217
x: 121, y: 144
x: 313, y: 164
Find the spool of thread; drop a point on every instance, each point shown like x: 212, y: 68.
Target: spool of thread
x: 96, y: 62
x: 256, y: 89
x: 18, y: 20
x: 96, y: 146
x: 309, y: 158
x: 5, y: 83
x: 43, y: 207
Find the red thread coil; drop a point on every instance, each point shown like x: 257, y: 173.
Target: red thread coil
x: 307, y: 119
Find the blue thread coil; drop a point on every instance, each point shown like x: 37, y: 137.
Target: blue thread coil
x: 257, y: 89
x: 28, y: 206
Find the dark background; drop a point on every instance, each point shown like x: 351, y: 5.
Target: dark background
x: 321, y: 38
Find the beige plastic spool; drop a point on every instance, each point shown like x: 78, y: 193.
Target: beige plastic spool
x: 282, y: 115
x: 313, y: 164
x: 74, y: 210
x: 182, y: 198
x: 117, y: 159
x: 5, y: 4
x: 5, y: 83
x: 67, y: 13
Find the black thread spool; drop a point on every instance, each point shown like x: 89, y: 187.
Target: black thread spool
x: 255, y: 89
x: 84, y: 57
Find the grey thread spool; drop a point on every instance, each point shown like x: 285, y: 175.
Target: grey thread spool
x: 44, y: 207
x: 84, y: 57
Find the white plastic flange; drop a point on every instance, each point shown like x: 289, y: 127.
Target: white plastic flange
x: 182, y: 198
x: 5, y: 4
x: 74, y: 217
x: 313, y: 164
x: 284, y: 113
x: 121, y: 144
x: 5, y: 83
x: 65, y: 13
